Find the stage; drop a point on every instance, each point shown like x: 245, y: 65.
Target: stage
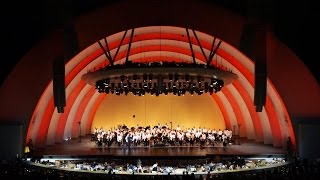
x: 87, y: 148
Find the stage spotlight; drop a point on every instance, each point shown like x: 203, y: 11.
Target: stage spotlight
x: 176, y: 77
x: 143, y: 92
x: 170, y: 77
x: 220, y: 82
x: 213, y: 81
x: 134, y: 77
x: 165, y: 86
x: 145, y: 77
x: 118, y: 92
x: 183, y: 91
x: 106, y: 83
x: 98, y: 86
x: 134, y: 92
x: 122, y: 78
x: 199, y: 79
x: 187, y: 77
x: 150, y: 77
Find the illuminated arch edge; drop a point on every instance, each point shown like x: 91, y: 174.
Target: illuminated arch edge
x: 91, y: 54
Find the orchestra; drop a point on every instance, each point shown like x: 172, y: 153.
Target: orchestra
x: 160, y: 134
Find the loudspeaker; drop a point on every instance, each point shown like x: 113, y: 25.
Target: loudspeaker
x: 253, y: 43
x: 70, y: 49
x: 260, y: 92
x: 260, y: 71
x: 59, y: 93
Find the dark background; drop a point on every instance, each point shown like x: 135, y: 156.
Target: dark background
x: 24, y: 23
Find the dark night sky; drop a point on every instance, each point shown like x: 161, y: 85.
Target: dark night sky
x: 23, y: 23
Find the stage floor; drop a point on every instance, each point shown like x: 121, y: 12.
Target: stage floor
x: 88, y: 148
